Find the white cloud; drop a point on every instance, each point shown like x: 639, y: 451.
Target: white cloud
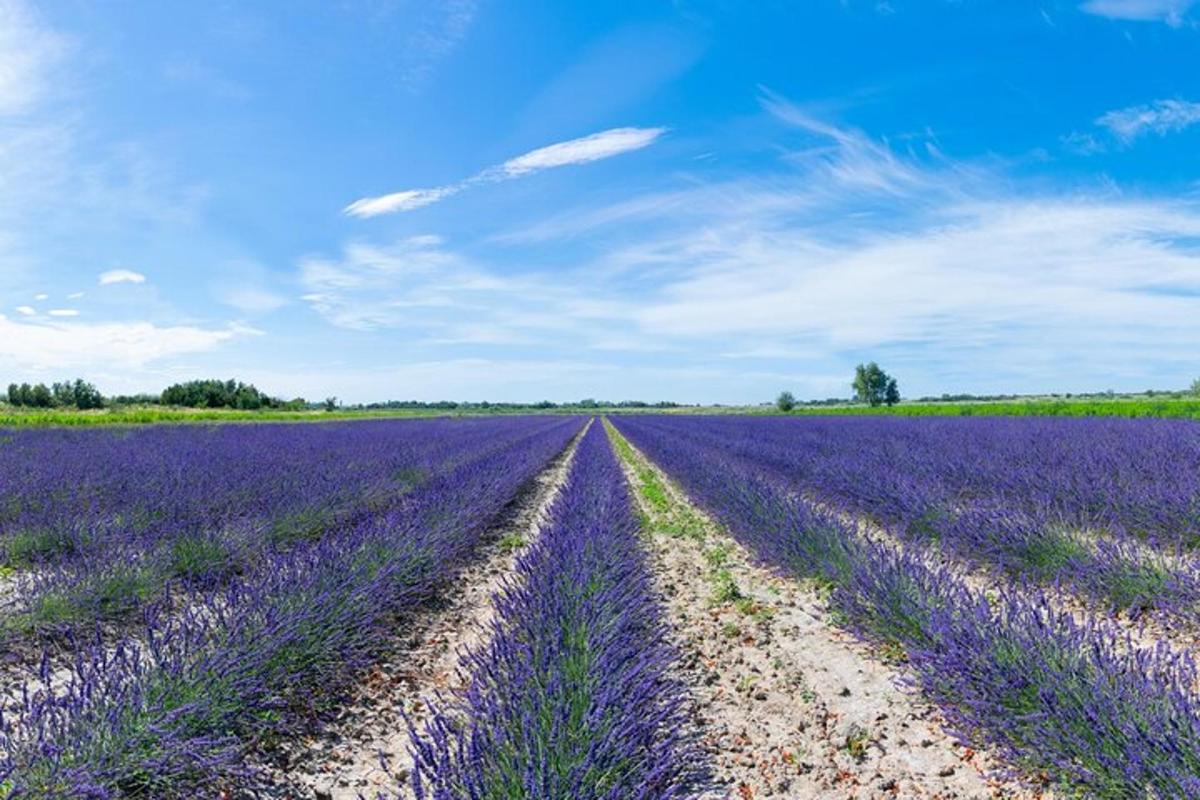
x: 855, y: 161
x: 1087, y: 269
x: 583, y: 150
x: 605, y: 144
x: 41, y: 296
x: 116, y: 345
x: 398, y: 201
x: 850, y: 249
x: 64, y: 312
x: 28, y: 311
x: 27, y: 51
x: 1172, y: 12
x: 75, y: 295
x: 408, y: 283
x: 1160, y: 117
x: 121, y: 276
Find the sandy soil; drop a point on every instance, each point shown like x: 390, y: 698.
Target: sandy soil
x: 1144, y: 630
x: 789, y: 706
x: 365, y: 750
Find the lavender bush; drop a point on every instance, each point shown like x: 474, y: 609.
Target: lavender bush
x: 1078, y: 702
x: 175, y: 708
x: 1109, y: 508
x: 572, y: 699
x: 109, y: 520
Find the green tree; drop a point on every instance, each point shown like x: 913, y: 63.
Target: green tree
x: 331, y: 403
x: 41, y: 397
x: 14, y: 394
x: 891, y: 395
x: 85, y: 395
x: 786, y: 401
x: 63, y: 395
x: 874, y: 386
x: 1195, y: 388
x: 217, y: 394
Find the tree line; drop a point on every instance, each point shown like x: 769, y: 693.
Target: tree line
x: 234, y: 394
x: 214, y: 393
x: 871, y: 386
x: 192, y: 394
x: 68, y: 394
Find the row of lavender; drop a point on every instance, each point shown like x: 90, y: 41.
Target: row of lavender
x: 89, y: 487
x: 1077, y: 702
x: 571, y: 699
x: 177, y: 706
x: 97, y: 523
x: 1109, y: 508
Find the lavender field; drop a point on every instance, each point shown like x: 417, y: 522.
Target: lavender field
x: 643, y: 606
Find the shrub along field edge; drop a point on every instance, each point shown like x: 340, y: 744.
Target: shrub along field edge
x: 1160, y: 407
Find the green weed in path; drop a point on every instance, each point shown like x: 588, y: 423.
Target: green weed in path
x: 511, y: 542
x: 666, y: 516
x: 29, y: 547
x: 201, y: 558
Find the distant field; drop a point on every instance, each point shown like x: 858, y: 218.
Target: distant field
x: 1161, y: 407
x: 141, y: 415
x: 1184, y: 408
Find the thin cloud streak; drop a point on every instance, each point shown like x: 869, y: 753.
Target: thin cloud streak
x: 120, y: 276
x: 583, y: 150
x: 398, y: 201
x: 1160, y: 117
x: 1172, y: 12
x: 848, y: 248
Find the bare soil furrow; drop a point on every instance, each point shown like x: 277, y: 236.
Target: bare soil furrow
x: 788, y: 705
x: 364, y: 750
x: 1143, y: 631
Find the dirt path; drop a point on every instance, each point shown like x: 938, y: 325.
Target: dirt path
x: 346, y: 758
x: 789, y: 706
x: 1146, y: 631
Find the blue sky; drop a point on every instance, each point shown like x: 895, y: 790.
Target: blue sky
x: 698, y: 201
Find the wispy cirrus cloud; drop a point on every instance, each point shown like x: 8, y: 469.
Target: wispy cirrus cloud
x: 855, y: 161
x: 27, y: 50
x: 120, y: 276
x: 409, y: 283
x: 406, y: 200
x: 442, y: 28
x: 583, y: 150
x: 1122, y: 127
x: 1160, y: 117
x: 848, y: 248
x: 1172, y: 12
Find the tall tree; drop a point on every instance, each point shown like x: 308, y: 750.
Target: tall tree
x: 874, y: 386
